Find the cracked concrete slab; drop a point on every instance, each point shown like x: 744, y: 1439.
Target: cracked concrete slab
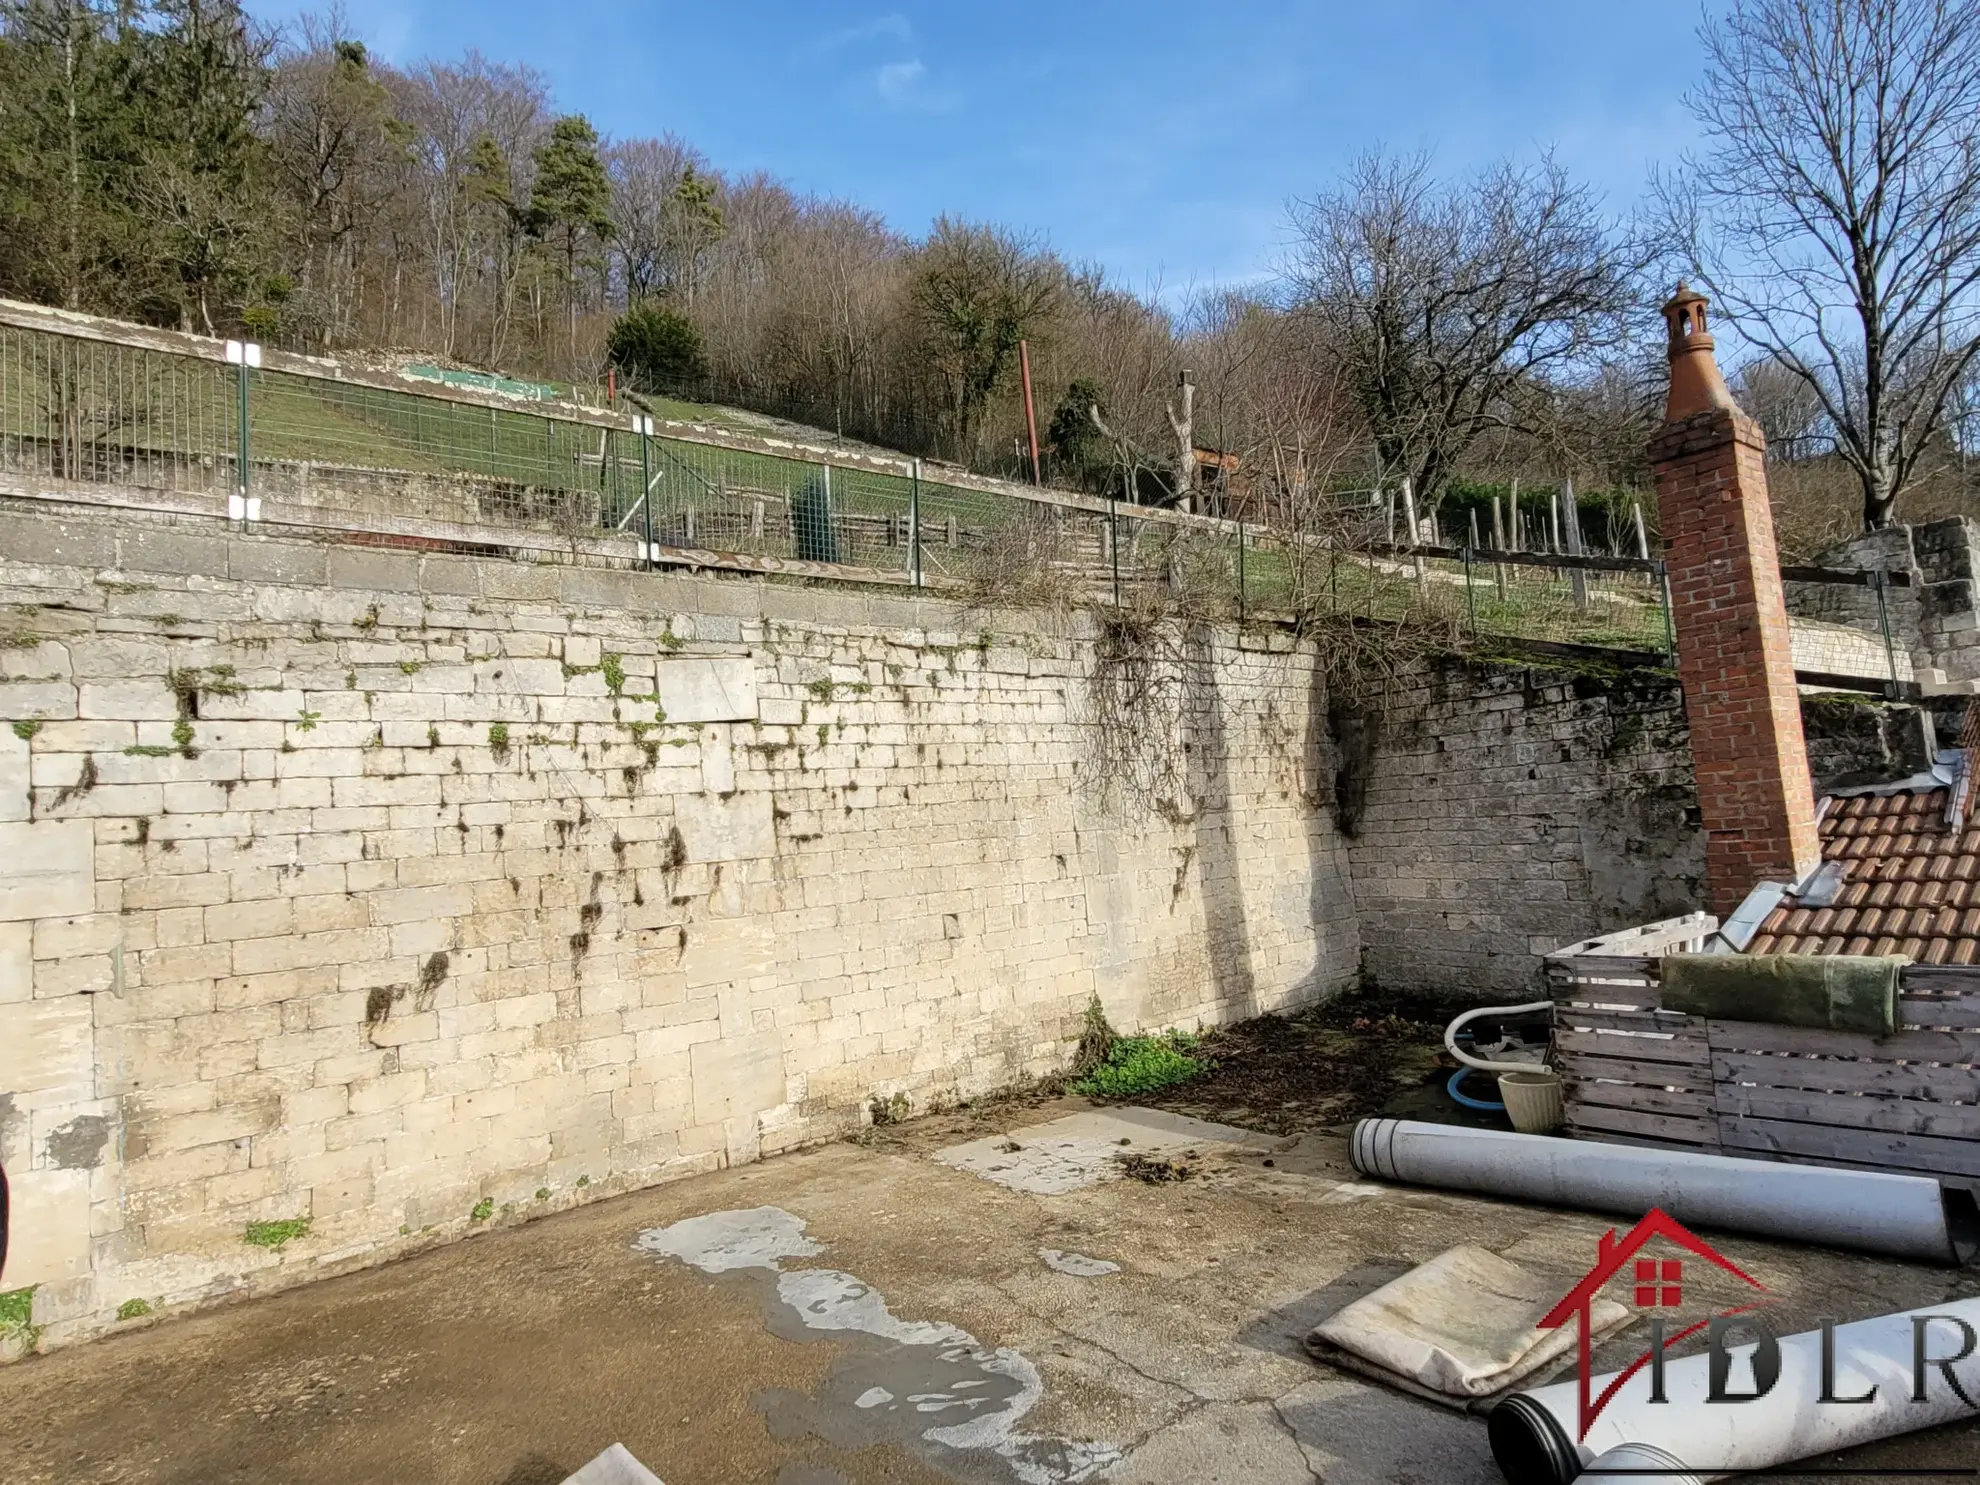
x: 1084, y: 1149
x: 1355, y: 1433
x: 1219, y: 1444
x: 515, y: 1358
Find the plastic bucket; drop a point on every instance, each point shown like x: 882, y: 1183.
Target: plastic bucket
x: 1532, y: 1100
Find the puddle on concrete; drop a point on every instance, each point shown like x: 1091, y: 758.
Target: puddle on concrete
x: 721, y: 1241
x: 925, y: 1384
x: 1077, y: 1264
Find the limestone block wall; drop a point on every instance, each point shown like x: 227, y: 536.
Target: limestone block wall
x: 1936, y: 618
x: 1513, y: 809
x: 401, y: 894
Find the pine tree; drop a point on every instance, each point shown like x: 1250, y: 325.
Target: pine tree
x: 571, y: 199
x: 69, y: 136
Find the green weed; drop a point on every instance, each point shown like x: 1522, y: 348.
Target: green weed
x: 483, y: 1210
x: 275, y: 1234
x: 25, y: 731
x: 133, y: 1309
x: 1140, y: 1064
x: 17, y: 1310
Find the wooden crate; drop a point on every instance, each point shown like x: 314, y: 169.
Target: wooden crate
x: 1636, y: 1073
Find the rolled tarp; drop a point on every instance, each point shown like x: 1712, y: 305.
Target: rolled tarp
x: 1834, y: 992
x: 1910, y: 1217
x: 1885, y: 1376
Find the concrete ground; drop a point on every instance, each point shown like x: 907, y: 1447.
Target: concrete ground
x: 860, y: 1313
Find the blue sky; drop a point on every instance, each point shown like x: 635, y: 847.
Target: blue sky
x: 1161, y: 139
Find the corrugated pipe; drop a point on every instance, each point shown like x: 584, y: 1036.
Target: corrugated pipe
x: 1909, y: 1217
x: 1834, y: 1389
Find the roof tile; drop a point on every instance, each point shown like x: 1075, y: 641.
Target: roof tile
x: 1910, y: 884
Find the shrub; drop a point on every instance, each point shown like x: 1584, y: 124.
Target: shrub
x: 655, y: 348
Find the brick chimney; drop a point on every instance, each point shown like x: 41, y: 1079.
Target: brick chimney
x: 1740, y: 699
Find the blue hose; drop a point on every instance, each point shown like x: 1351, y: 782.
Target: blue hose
x: 1465, y: 1100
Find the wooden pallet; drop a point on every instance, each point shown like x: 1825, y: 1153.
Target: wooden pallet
x: 1636, y: 1073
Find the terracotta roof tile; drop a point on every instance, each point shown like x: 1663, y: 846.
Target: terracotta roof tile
x: 1911, y: 883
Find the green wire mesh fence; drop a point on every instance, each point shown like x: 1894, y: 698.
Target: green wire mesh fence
x: 321, y: 449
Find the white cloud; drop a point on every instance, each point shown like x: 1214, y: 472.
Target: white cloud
x: 906, y: 85
x: 897, y: 81
x: 890, y: 27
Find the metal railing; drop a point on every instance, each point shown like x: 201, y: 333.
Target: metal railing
x: 105, y: 412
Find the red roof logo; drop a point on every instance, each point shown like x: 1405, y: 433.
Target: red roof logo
x: 1658, y: 1284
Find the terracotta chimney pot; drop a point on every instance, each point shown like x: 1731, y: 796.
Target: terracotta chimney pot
x: 1696, y: 383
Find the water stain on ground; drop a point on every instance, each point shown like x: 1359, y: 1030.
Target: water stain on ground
x: 926, y: 1385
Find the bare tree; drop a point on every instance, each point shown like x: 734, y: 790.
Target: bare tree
x: 1446, y: 304
x: 839, y: 276
x: 1117, y: 351
x: 475, y: 126
x: 336, y: 147
x: 1183, y: 426
x: 645, y: 174
x: 1787, y: 408
x: 1834, y: 212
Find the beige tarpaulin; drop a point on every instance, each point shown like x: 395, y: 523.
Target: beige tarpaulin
x: 615, y: 1466
x: 1462, y: 1326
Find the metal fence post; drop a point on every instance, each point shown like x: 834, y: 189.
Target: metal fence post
x: 1670, y: 627
x: 914, y: 522
x: 646, y: 488
x: 1114, y: 546
x: 1878, y: 581
x: 241, y: 506
x: 243, y: 458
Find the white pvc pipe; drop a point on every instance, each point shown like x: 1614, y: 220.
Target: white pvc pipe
x: 1451, y: 1031
x: 1869, y: 1211
x: 1533, y: 1433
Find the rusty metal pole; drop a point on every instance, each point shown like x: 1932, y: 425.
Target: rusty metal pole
x: 1030, y: 417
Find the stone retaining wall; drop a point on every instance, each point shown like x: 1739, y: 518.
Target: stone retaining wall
x: 406, y: 894
x: 403, y: 894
